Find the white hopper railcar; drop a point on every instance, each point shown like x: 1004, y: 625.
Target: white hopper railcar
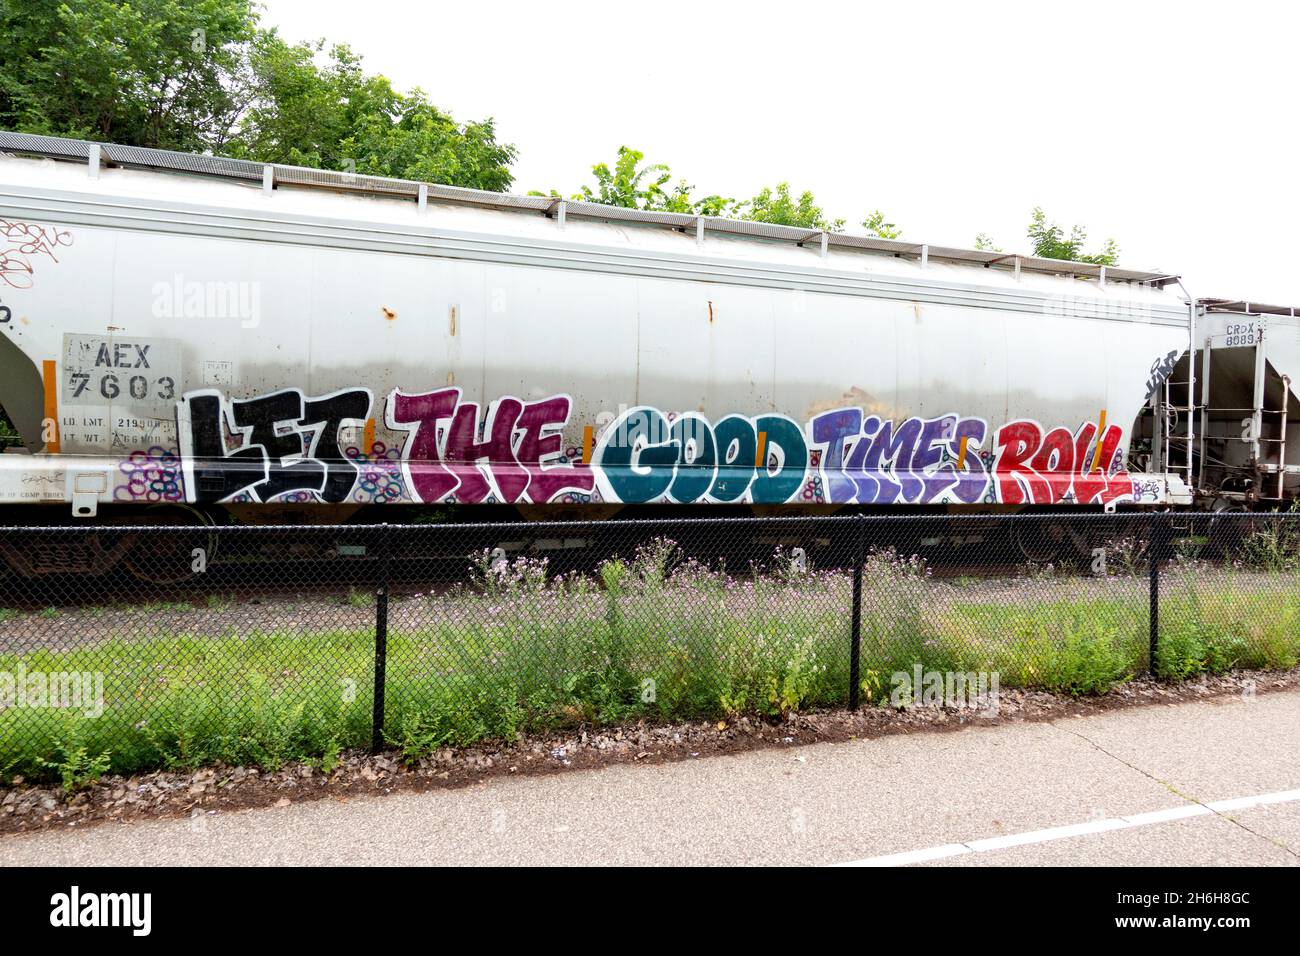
x: 206, y: 333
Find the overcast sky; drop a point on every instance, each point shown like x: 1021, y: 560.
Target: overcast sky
x: 1169, y: 126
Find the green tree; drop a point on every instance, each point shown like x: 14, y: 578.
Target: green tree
x: 875, y: 225
x: 627, y: 183
x: 633, y: 184
x: 161, y: 73
x: 336, y: 116
x: 302, y: 112
x: 777, y: 205
x: 1050, y: 241
x: 201, y: 75
x: 422, y: 142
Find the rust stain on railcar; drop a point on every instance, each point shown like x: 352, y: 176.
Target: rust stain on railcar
x: 855, y: 397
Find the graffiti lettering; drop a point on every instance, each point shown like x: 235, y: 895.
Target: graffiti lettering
x: 515, y: 453
x: 289, y: 444
x: 867, y: 460
x: 1059, y: 466
x: 327, y: 417
x: 20, y: 242
x: 286, y: 446
x: 1160, y: 370
x: 642, y: 456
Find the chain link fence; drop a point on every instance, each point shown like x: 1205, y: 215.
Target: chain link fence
x: 140, y: 647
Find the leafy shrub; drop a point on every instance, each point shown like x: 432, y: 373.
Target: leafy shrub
x: 72, y: 761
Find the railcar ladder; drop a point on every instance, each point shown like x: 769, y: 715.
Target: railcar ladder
x: 1250, y: 403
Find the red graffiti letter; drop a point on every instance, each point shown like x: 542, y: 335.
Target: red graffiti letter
x: 1014, y: 467
x: 540, y: 443
x: 429, y: 478
x: 464, y: 451
x: 1055, y: 462
x: 1090, y: 483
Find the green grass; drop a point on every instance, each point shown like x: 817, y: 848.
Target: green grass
x: 524, y: 652
x: 158, y: 607
x: 1074, y: 646
x: 187, y: 700
x: 1214, y: 626
x: 358, y: 599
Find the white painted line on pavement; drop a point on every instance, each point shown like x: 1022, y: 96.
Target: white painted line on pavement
x: 1164, y: 816
x: 1107, y: 825
x: 1244, y: 803
x: 1043, y: 836
x: 914, y: 856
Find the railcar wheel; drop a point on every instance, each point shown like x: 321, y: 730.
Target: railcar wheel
x: 1040, y: 542
x: 171, y: 557
x: 1227, y: 531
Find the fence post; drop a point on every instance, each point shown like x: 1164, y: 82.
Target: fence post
x: 1155, y: 553
x: 855, y: 631
x: 381, y: 642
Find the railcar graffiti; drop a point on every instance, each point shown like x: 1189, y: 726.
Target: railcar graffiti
x: 1161, y: 369
x: 290, y: 447
x: 286, y: 446
x: 644, y: 456
x: 289, y: 444
x: 21, y: 243
x: 513, y: 453
x: 1049, y: 467
x: 380, y: 468
x: 152, y: 476
x: 869, y: 460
